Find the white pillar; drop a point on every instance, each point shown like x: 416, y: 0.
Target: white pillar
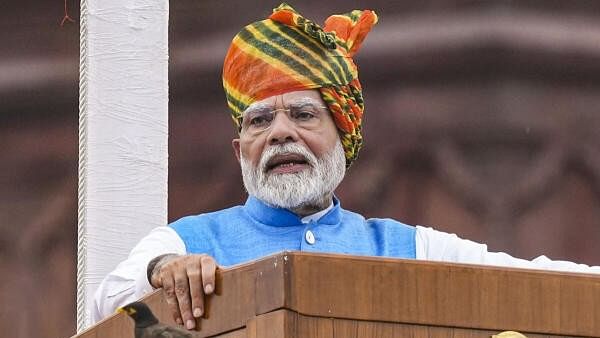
x: 123, y: 131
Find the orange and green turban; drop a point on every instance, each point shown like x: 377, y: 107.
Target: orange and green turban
x: 288, y: 52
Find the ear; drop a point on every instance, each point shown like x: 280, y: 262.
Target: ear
x: 235, y: 143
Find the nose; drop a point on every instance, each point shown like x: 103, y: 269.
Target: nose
x: 282, y: 130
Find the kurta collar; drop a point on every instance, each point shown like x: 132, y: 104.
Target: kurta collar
x: 272, y: 216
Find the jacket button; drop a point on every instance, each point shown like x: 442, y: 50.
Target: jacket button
x: 310, y: 237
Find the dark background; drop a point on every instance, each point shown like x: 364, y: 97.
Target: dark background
x: 483, y: 119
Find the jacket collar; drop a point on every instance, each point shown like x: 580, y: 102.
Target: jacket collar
x: 269, y: 215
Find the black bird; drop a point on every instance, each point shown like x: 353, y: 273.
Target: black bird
x: 147, y: 326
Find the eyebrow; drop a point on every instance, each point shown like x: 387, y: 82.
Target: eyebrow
x: 257, y: 107
x: 305, y: 102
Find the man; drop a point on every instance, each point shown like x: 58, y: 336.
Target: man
x: 295, y: 97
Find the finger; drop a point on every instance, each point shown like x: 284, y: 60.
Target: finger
x: 182, y: 291
x: 196, y: 293
x: 209, y: 267
x: 168, y: 285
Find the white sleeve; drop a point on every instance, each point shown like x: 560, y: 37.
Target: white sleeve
x: 129, y: 282
x: 435, y: 245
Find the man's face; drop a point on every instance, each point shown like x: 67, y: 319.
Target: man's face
x: 289, y: 150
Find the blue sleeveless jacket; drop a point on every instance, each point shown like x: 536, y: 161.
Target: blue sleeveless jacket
x: 255, y: 229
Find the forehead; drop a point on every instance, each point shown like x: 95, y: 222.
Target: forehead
x: 311, y: 95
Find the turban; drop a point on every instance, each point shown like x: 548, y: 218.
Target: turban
x: 288, y: 52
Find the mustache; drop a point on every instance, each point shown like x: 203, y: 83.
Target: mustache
x: 286, y: 149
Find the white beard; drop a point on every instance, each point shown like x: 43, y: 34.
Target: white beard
x: 294, y: 190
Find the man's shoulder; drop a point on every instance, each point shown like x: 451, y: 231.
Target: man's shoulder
x: 374, y: 222
x: 208, y: 217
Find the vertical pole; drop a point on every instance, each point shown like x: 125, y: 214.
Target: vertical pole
x: 123, y: 131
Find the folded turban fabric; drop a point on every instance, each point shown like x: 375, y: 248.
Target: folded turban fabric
x: 288, y: 52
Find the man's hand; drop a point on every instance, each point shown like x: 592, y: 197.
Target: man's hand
x: 185, y: 280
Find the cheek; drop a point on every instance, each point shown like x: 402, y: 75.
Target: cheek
x: 321, y: 144
x: 326, y: 138
x: 251, y: 150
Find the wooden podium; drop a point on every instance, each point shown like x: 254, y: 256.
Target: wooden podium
x: 295, y: 294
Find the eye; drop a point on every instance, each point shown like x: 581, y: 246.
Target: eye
x: 303, y: 115
x: 260, y: 120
